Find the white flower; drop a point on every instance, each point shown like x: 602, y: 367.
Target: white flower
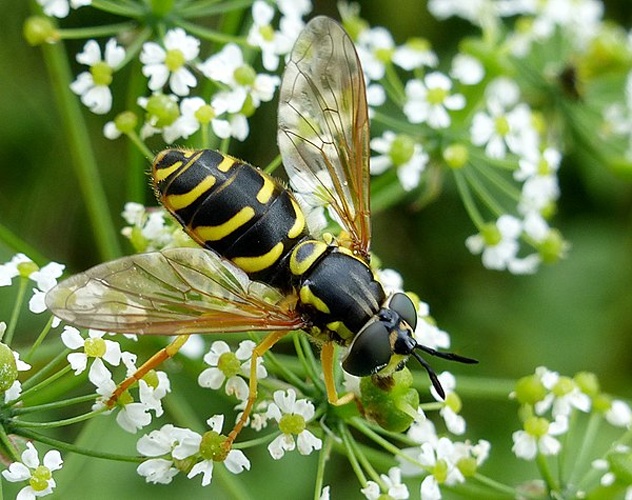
x: 272, y: 43
x: 151, y: 395
x: 415, y: 53
x: 427, y: 101
x: 502, y: 129
x: 11, y: 269
x: 395, y: 489
x: 401, y: 152
x: 196, y: 112
x: 174, y: 443
x: 94, y: 86
x: 93, y: 347
x: 235, y: 461
x: 226, y: 366
x: 228, y: 67
x: 563, y: 396
x: 375, y: 47
x: 61, y: 8
x: 619, y: 414
x: 467, y: 69
x: 498, y: 242
x: 169, y: 63
x: 439, y: 459
x: 38, y: 476
x: 537, y: 437
x: 45, y: 278
x: 292, y: 415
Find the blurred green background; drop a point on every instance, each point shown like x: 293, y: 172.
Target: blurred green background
x: 574, y: 316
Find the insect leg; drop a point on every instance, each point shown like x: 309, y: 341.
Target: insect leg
x: 327, y: 359
x: 261, y: 348
x: 158, y: 358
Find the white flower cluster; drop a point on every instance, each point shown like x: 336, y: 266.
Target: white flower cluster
x: 443, y: 461
x: 561, y: 396
x: 173, y: 66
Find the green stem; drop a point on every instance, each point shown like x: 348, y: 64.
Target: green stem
x: 95, y: 31
x: 212, y: 8
x: 122, y: 8
x: 545, y: 471
x: 484, y: 195
x: 209, y: 34
x: 45, y: 383
x: 39, y: 339
x: 588, y: 440
x: 62, y: 445
x: 7, y: 338
x: 273, y: 165
x: 17, y: 245
x: 51, y: 406
x: 84, y: 161
x: 499, y: 487
x: 323, y: 456
x: 25, y: 424
x: 43, y: 371
x: 7, y: 446
x: 485, y: 387
x: 350, y: 452
x: 468, y: 200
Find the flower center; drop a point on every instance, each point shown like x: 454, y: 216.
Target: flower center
x: 440, y: 471
x: 402, y: 149
x: 94, y: 347
x: 101, y: 73
x: 174, y: 59
x: 267, y: 32
x: 536, y: 426
x: 151, y: 379
x: 212, y: 447
x: 229, y: 364
x: 292, y: 424
x: 436, y: 96
x: 491, y: 234
x: 502, y: 125
x: 204, y: 114
x: 453, y: 401
x: 39, y: 478
x: 245, y: 75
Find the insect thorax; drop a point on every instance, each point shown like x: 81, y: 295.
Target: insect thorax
x: 337, y: 290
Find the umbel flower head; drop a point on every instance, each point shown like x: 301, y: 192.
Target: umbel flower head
x: 38, y: 474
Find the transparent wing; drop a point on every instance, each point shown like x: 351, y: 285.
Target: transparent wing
x: 176, y: 291
x: 324, y: 128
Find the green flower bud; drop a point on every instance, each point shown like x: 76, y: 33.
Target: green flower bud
x: 456, y: 156
x: 390, y: 401
x: 402, y: 149
x: 39, y: 29
x: 8, y: 368
x: 162, y: 110
x: 587, y: 382
x: 212, y: 446
x: 126, y: 121
x: 530, y: 390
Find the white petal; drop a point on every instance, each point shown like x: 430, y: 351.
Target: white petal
x: 307, y: 443
x: 236, y: 461
x: 91, y: 53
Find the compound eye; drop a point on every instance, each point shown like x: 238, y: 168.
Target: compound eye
x: 370, y: 351
x: 402, y: 305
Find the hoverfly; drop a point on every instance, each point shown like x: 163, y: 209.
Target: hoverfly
x: 259, y: 268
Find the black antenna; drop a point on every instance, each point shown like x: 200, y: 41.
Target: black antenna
x: 445, y: 355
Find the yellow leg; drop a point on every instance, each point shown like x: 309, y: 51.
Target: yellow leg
x: 257, y: 352
x: 162, y: 355
x: 327, y: 356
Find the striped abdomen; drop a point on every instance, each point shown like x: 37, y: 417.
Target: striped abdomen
x: 232, y: 208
